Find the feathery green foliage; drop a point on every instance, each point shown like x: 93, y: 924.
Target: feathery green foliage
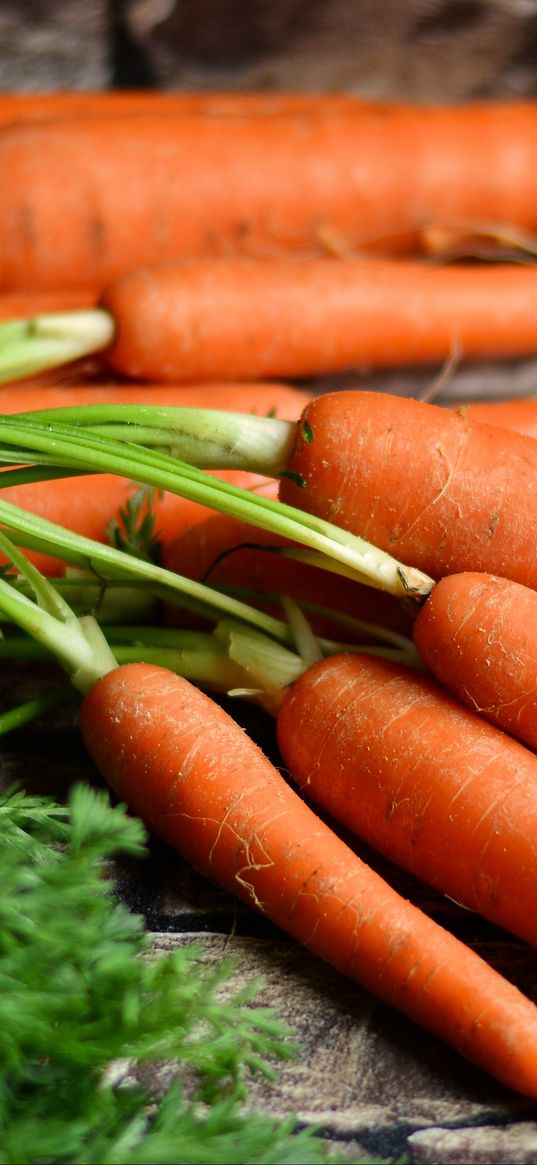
x: 84, y: 1002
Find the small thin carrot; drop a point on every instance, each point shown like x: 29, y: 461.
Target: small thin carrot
x: 121, y: 192
x: 478, y: 635
x: 414, y: 773
x: 244, y: 318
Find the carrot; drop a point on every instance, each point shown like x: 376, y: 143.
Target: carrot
x: 476, y: 633
x: 24, y: 107
x: 198, y: 782
x: 240, y: 318
x: 19, y: 304
x: 198, y: 549
x: 443, y: 493
x: 87, y: 504
x: 120, y: 192
x: 430, y: 784
x: 260, y: 398
x: 518, y: 414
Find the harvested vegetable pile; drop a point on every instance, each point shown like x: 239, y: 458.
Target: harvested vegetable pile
x: 358, y: 563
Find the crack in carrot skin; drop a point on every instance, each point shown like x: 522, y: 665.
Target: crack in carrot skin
x: 463, y: 511
x: 198, y: 781
x: 478, y: 638
x: 419, y: 777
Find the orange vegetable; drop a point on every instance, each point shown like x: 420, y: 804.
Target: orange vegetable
x: 200, y: 783
x: 24, y: 107
x: 262, y: 398
x: 87, y: 504
x: 196, y: 552
x: 478, y: 635
x: 120, y: 192
x: 418, y: 776
x: 22, y: 304
x: 240, y: 318
x: 519, y: 414
x: 438, y: 491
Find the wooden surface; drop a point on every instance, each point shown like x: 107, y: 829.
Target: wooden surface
x: 373, y: 1082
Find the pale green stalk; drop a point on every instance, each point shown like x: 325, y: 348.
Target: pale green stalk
x: 46, y: 341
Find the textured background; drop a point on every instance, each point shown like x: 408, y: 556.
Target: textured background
x: 423, y: 49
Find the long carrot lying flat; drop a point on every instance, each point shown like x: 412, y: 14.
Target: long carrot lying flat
x: 442, y: 493
x: 261, y: 398
x: 117, y: 193
x: 199, y: 783
x: 421, y: 778
x: 478, y: 635
x: 26, y: 107
x: 244, y: 319
x: 87, y: 504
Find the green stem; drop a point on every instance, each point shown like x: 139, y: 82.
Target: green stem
x: 84, y: 451
x: 206, y: 438
x: 46, y: 341
x: 105, y: 562
x: 111, y: 601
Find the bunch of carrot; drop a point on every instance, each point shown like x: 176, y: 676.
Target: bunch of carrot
x: 234, y: 239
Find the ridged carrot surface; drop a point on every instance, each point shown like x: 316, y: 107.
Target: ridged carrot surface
x: 200, y: 783
x: 478, y: 635
x: 421, y: 778
x: 438, y: 491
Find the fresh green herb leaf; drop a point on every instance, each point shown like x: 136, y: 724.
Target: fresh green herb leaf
x: 134, y: 530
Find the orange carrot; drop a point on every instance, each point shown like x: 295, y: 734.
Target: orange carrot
x: 262, y: 398
x: 120, y: 192
x: 21, y: 304
x: 442, y: 493
x: 518, y: 414
x: 478, y: 635
x: 25, y: 107
x: 87, y: 504
x: 196, y: 552
x: 200, y: 783
x: 429, y: 783
x: 240, y: 318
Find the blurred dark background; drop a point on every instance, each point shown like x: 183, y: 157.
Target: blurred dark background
x: 440, y: 50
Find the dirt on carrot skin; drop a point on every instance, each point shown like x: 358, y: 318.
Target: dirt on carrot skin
x: 442, y: 493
